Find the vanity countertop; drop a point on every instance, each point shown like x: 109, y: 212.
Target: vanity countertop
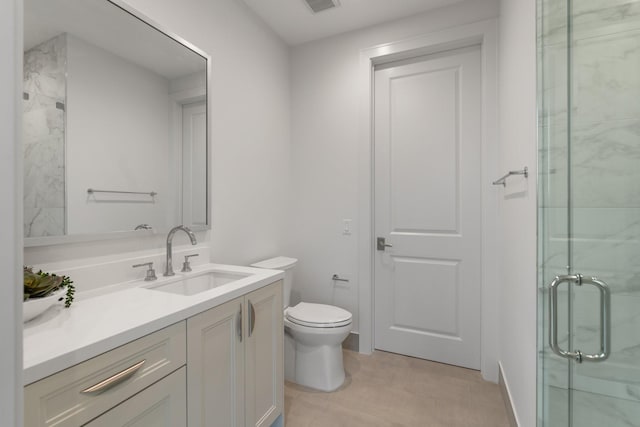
x: 100, y: 322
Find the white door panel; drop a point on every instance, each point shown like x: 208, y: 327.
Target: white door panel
x: 423, y: 176
x: 423, y: 305
x: 194, y: 164
x: 427, y: 206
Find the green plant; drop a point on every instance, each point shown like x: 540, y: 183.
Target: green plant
x: 41, y: 284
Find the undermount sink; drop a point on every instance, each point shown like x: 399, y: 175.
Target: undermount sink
x: 200, y: 283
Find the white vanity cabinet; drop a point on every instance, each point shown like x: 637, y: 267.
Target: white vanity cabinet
x: 221, y: 367
x: 79, y: 394
x: 235, y: 362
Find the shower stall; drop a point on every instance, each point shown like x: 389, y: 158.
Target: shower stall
x: 43, y: 135
x: 589, y: 213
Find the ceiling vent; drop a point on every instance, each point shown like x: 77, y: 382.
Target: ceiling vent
x: 320, y: 5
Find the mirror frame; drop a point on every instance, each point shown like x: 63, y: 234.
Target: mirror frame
x: 91, y: 237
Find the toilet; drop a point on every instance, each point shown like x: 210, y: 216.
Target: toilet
x: 313, y: 336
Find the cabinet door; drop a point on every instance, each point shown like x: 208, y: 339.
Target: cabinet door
x: 215, y: 357
x: 263, y: 356
x: 161, y: 404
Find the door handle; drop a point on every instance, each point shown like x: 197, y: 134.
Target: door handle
x: 382, y: 244
x: 605, y: 318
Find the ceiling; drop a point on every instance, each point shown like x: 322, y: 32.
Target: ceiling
x: 296, y: 24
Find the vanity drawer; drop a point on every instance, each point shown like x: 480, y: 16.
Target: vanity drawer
x: 79, y: 394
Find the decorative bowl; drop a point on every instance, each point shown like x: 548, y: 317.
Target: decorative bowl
x: 34, y: 307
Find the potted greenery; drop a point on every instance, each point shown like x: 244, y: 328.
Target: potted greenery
x: 42, y: 290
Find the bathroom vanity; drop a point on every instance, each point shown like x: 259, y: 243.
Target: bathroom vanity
x: 159, y: 355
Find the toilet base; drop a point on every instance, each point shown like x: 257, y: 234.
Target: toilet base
x: 318, y: 355
x: 289, y: 357
x: 319, y: 367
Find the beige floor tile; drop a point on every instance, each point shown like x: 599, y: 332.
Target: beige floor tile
x: 390, y: 390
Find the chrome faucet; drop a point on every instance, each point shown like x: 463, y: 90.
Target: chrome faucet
x: 168, y: 271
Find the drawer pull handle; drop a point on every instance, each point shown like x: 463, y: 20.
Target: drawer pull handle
x: 114, y: 380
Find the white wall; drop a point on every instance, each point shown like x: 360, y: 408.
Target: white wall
x: 11, y: 213
x: 325, y: 149
x: 518, y: 205
x: 128, y: 152
x: 250, y: 134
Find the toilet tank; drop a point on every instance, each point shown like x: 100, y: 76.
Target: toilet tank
x: 281, y: 263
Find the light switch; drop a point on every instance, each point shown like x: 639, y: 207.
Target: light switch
x: 346, y: 230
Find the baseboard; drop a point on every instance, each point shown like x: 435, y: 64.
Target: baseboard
x: 506, y: 396
x: 352, y: 342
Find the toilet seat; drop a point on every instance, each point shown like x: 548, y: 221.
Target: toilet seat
x: 318, y: 315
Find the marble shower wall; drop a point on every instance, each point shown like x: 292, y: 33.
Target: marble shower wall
x: 603, y: 124
x: 44, y: 138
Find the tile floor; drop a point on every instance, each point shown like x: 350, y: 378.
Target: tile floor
x: 387, y: 389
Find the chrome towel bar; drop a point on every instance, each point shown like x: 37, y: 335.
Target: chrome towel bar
x: 503, y: 180
x: 150, y: 193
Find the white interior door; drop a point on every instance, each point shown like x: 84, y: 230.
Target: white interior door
x: 427, y: 206
x: 194, y: 164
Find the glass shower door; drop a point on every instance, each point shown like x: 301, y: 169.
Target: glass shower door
x: 589, y: 212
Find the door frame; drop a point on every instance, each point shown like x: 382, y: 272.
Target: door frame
x: 485, y: 34
x: 177, y: 101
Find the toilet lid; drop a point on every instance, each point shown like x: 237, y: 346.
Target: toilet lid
x: 318, y: 315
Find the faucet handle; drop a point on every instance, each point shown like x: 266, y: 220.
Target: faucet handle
x: 186, y: 265
x: 151, y: 273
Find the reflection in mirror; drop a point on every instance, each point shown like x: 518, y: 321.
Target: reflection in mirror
x: 115, y: 123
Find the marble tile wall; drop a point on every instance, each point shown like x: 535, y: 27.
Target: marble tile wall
x: 589, y: 410
x: 604, y: 154
x: 44, y: 138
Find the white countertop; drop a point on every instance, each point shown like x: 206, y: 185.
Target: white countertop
x: 116, y: 315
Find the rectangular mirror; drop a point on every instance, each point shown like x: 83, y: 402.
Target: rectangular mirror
x: 115, y: 124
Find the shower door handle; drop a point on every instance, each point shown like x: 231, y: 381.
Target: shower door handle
x: 553, y: 318
x: 605, y: 318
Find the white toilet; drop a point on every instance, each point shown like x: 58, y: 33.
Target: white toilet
x: 315, y: 332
